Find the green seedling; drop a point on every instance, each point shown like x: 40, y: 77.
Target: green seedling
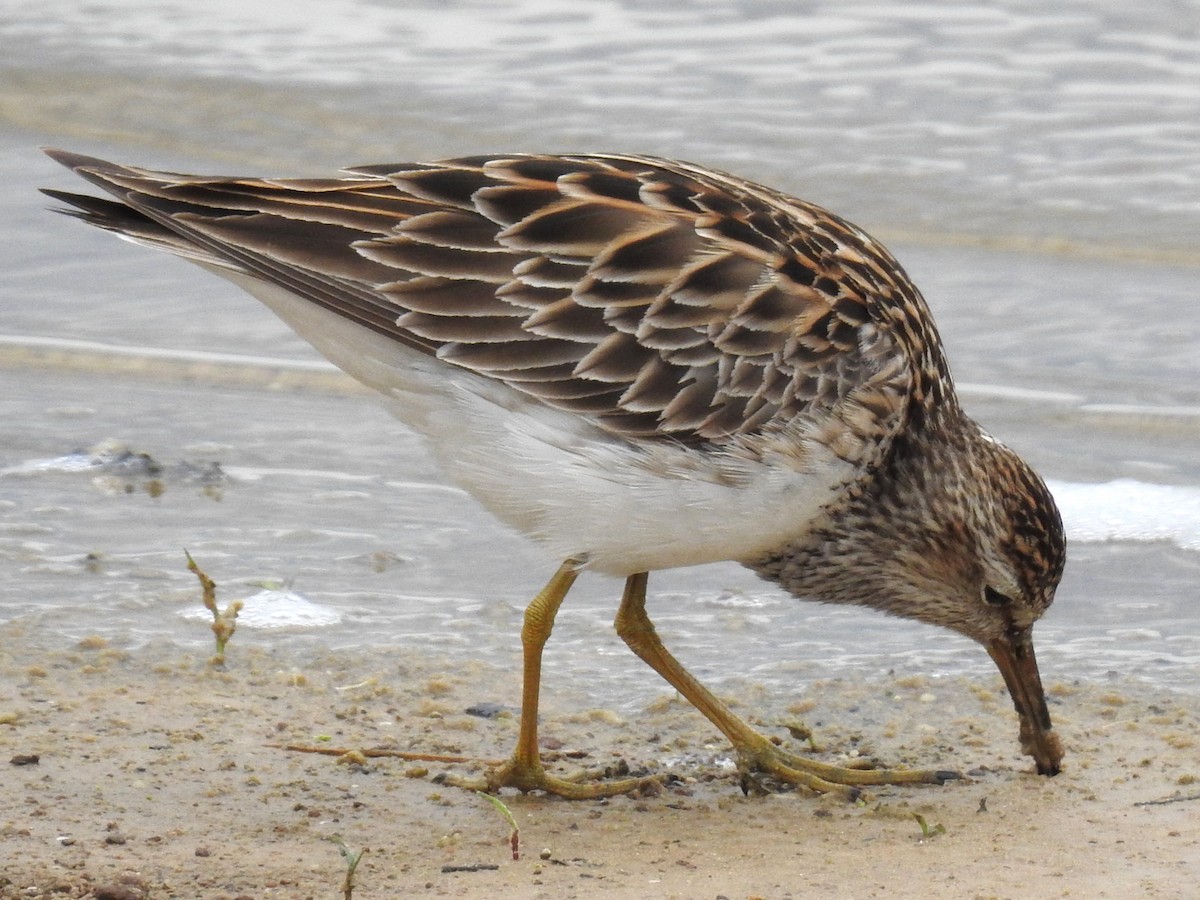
x: 352, y: 860
x: 224, y: 623
x: 928, y: 833
x: 515, y: 837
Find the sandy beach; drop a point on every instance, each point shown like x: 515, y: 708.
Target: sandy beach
x: 153, y: 774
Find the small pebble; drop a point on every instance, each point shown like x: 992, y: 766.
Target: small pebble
x: 486, y: 710
x: 117, y: 892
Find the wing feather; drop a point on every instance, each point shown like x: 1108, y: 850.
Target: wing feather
x: 661, y: 300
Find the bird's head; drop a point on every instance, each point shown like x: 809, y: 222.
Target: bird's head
x: 965, y: 536
x: 1022, y: 557
x: 988, y: 566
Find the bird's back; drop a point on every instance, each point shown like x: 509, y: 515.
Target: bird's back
x: 582, y: 336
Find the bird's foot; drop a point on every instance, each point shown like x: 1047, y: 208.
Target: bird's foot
x: 825, y: 778
x: 526, y: 776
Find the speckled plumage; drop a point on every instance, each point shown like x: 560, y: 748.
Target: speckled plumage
x: 707, y: 366
x: 658, y: 298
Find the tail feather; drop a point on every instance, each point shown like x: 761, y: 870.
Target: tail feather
x: 127, y: 222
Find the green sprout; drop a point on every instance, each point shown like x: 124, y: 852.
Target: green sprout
x: 928, y: 833
x: 224, y: 623
x: 352, y: 861
x: 515, y: 837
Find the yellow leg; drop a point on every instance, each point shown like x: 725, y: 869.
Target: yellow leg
x: 755, y: 752
x: 524, y: 770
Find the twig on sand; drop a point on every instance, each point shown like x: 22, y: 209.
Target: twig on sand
x: 377, y: 752
x: 1178, y: 798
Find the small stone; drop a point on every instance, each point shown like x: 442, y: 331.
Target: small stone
x: 486, y: 710
x: 117, y: 892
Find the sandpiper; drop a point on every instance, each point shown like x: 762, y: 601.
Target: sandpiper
x: 642, y: 364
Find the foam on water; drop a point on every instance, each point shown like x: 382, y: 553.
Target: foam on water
x: 1128, y: 510
x: 276, y: 608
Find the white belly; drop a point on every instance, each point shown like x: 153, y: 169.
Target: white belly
x: 559, y: 479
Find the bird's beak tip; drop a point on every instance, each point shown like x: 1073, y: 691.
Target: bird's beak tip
x: 1048, y: 752
x: 1015, y: 659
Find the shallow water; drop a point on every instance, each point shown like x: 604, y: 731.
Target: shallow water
x: 1038, y: 172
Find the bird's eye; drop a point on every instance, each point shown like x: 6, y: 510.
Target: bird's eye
x: 993, y: 597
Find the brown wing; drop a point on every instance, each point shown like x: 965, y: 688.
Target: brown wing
x: 658, y: 298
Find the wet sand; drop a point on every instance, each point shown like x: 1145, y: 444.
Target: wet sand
x: 149, y: 773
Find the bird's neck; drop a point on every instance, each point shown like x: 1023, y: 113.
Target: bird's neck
x: 894, y: 532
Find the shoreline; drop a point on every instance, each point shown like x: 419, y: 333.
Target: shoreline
x: 154, y: 777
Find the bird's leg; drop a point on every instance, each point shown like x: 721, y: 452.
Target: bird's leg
x: 755, y: 752
x: 523, y: 770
